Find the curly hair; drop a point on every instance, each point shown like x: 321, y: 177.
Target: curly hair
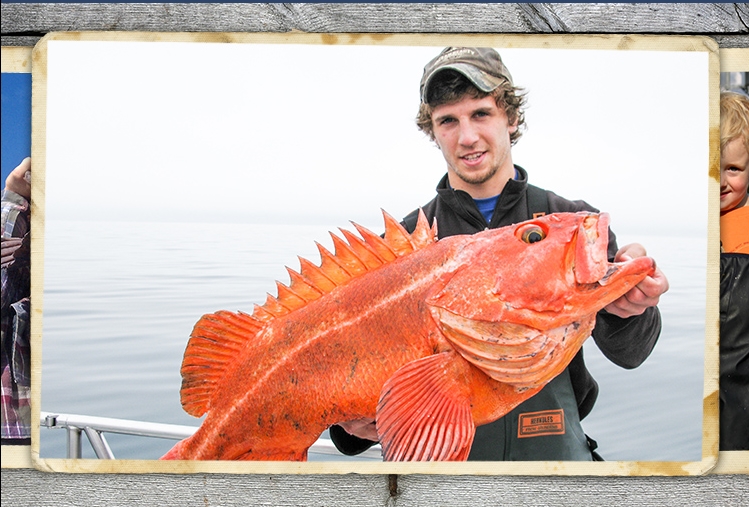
x: 734, y: 118
x: 452, y: 86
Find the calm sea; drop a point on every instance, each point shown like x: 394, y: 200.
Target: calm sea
x: 120, y: 300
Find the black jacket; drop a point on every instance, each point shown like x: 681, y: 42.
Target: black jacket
x: 626, y: 342
x: 734, y: 352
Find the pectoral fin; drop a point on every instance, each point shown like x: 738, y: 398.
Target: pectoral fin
x: 424, y: 412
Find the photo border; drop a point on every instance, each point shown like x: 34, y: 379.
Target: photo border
x: 620, y: 468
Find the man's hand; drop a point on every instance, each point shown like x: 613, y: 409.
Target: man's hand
x: 645, y: 294
x: 362, y: 428
x: 18, y: 182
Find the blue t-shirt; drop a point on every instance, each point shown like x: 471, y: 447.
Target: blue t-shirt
x: 486, y: 206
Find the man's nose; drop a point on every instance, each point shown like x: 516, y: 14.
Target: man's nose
x: 468, y: 134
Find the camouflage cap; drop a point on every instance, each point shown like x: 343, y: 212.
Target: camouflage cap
x: 482, y: 66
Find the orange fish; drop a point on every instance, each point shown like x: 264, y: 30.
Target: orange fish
x: 429, y: 338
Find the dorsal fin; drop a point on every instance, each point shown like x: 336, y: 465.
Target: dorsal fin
x: 302, y: 287
x: 291, y: 299
x: 275, y: 306
x: 363, y: 251
x: 316, y: 276
x: 331, y: 266
x: 353, y: 257
x: 397, y: 236
x: 262, y: 314
x: 423, y: 235
x: 378, y: 244
x: 347, y: 257
x: 215, y: 342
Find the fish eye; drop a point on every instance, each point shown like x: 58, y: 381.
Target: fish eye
x: 531, y: 233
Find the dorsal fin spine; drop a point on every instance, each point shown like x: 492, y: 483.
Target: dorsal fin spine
x: 262, y: 314
x: 347, y: 257
x: 316, y: 275
x: 302, y: 286
x: 368, y: 256
x: 274, y: 306
x: 289, y: 298
x: 332, y: 267
x: 377, y: 244
x: 397, y: 236
x: 423, y: 235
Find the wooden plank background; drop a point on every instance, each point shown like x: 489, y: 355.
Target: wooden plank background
x: 24, y: 24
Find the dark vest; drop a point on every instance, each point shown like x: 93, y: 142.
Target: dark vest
x: 547, y: 426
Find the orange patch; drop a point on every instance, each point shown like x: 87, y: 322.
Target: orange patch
x: 536, y: 424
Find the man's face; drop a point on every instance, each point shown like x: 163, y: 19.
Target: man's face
x: 734, y: 175
x: 474, y: 136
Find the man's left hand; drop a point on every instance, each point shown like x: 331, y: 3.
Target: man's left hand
x: 645, y: 294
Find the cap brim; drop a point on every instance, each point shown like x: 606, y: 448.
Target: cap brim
x: 481, y: 80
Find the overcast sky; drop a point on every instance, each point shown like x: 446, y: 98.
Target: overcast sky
x: 325, y: 133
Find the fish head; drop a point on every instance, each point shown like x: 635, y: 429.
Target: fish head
x: 542, y: 273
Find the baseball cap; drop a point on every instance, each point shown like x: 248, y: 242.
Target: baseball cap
x: 482, y: 66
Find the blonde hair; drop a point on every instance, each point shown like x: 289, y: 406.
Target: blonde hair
x: 734, y: 118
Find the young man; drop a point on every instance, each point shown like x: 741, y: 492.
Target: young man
x: 472, y: 111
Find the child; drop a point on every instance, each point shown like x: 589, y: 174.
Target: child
x: 734, y: 172
x: 734, y: 272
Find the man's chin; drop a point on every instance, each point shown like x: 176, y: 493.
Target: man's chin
x: 476, y: 176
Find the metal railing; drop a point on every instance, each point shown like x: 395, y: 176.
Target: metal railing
x: 95, y: 427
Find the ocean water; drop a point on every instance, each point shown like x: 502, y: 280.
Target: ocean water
x: 121, y: 298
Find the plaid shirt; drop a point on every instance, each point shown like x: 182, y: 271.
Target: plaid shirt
x: 16, y: 364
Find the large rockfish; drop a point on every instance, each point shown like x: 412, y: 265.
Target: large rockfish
x: 430, y: 338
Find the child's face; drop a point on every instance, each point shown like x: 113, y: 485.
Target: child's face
x: 734, y: 175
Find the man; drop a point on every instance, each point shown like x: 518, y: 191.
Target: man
x: 473, y: 112
x: 14, y: 324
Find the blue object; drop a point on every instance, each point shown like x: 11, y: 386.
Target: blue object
x: 16, y: 120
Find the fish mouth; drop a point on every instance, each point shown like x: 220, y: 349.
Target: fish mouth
x: 592, y: 267
x: 636, y: 266
x: 598, y: 281
x: 619, y: 279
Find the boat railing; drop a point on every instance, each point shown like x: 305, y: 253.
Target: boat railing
x: 95, y: 427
